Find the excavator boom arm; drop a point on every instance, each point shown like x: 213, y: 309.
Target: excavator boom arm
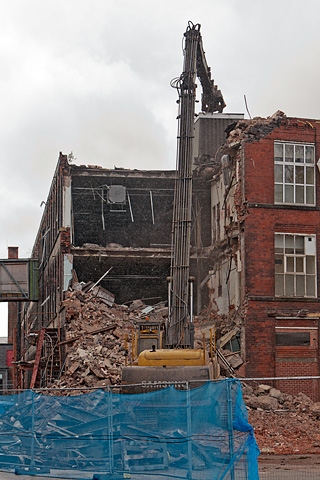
x: 179, y: 330
x: 212, y: 99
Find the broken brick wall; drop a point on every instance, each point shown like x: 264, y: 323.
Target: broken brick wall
x: 133, y: 238
x: 248, y: 241
x: 224, y: 280
x: 224, y: 285
x: 263, y: 219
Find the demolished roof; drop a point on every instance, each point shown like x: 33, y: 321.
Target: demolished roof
x: 253, y: 129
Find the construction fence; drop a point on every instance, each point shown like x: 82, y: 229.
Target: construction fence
x: 184, y: 433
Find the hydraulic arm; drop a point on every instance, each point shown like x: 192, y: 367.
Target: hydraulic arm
x: 179, y: 361
x: 179, y: 329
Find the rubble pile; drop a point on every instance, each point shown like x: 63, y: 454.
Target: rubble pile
x: 253, y: 129
x: 99, y: 334
x: 283, y: 424
x: 221, y: 329
x: 221, y: 325
x: 98, y: 338
x: 98, y: 344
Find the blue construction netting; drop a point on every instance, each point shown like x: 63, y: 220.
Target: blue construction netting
x: 200, y: 433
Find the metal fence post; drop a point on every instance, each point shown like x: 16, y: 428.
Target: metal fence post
x: 189, y: 432
x: 110, y: 432
x: 32, y: 463
x: 230, y: 427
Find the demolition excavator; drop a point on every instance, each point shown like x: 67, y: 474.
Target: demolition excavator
x: 169, y: 355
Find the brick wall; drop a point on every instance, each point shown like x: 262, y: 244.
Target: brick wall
x: 300, y: 367
x: 265, y: 359
x: 262, y: 221
x: 146, y: 218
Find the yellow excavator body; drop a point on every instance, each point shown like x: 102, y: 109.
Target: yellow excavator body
x: 183, y: 368
x: 173, y: 357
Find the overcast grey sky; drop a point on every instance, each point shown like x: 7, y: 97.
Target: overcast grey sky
x: 92, y: 77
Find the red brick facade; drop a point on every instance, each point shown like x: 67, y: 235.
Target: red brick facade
x: 266, y: 313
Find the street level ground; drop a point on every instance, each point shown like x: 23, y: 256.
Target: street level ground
x: 271, y: 467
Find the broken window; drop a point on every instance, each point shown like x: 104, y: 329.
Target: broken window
x: 218, y: 222
x: 213, y: 225
x: 215, y: 230
x: 294, y: 173
x: 295, y: 265
x: 234, y: 345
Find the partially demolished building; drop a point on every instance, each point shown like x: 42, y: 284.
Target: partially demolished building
x: 265, y: 246
x: 113, y: 228
x: 253, y: 253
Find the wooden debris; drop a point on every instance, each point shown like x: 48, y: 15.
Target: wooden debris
x: 96, y: 330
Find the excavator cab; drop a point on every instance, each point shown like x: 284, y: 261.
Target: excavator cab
x: 156, y: 367
x: 150, y: 335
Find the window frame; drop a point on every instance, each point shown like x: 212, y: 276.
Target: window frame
x: 295, y: 270
x: 293, y: 172
x: 294, y: 339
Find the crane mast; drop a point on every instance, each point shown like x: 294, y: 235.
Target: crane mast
x: 180, y: 328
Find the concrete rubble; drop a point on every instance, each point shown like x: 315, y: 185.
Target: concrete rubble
x: 283, y: 424
x: 98, y: 344
x: 98, y: 337
x: 253, y: 129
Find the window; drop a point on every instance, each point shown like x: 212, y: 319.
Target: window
x: 216, y: 223
x: 213, y: 225
x: 293, y: 339
x: 295, y: 265
x: 234, y: 345
x: 294, y: 173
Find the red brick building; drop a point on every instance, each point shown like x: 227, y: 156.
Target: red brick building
x: 265, y: 237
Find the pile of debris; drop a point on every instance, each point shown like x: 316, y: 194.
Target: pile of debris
x: 253, y: 129
x: 98, y: 337
x: 283, y: 424
x: 98, y: 344
x: 223, y: 332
